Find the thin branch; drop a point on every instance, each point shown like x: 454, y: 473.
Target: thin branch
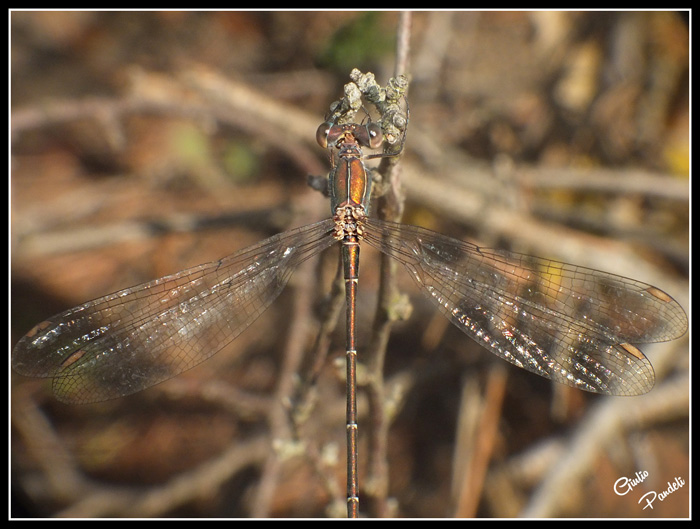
x: 390, y: 206
x: 182, y: 489
x: 199, y: 94
x: 486, y: 432
x: 293, y: 355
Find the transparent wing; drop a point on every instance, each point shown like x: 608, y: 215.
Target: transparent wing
x: 572, y: 324
x: 127, y: 341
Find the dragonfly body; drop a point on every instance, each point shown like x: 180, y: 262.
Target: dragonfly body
x: 350, y: 191
x: 349, y: 184
x: 575, y: 325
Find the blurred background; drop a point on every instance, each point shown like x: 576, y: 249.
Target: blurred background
x: 146, y: 142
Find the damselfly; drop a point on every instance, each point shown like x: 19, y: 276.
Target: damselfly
x: 574, y: 325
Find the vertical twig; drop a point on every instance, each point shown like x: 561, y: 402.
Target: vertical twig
x: 474, y: 473
x: 389, y: 207
x: 292, y: 359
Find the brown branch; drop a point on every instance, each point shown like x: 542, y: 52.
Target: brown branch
x: 280, y: 430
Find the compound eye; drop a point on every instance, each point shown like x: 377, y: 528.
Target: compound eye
x: 376, y: 137
x: 322, y: 134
